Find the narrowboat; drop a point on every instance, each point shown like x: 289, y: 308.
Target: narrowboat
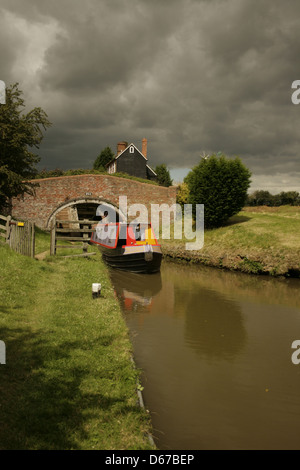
x: 130, y: 247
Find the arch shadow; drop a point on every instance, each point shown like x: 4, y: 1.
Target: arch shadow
x: 84, y: 200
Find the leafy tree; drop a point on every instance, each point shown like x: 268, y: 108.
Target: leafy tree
x: 19, y: 132
x: 44, y: 173
x: 289, y: 198
x: 163, y: 175
x: 220, y: 184
x: 103, y: 158
x: 182, y: 194
x: 261, y: 198
x: 264, y: 198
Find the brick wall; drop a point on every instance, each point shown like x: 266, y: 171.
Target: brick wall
x: 54, y: 193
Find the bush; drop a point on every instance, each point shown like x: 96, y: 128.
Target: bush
x: 220, y: 184
x: 182, y: 194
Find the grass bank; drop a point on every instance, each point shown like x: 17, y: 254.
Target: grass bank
x: 68, y: 381
x: 261, y: 240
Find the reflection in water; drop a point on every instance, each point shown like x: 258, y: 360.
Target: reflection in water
x: 134, y: 290
x: 215, y: 350
x: 213, y: 324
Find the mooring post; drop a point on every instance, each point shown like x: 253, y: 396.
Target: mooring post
x: 96, y: 290
x: 53, y: 237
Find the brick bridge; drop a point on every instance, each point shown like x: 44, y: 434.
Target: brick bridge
x: 77, y: 197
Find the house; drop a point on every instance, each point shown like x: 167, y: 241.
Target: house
x: 131, y: 160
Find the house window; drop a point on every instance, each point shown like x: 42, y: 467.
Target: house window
x: 112, y: 168
x: 131, y: 149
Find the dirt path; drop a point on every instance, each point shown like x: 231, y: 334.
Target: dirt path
x: 41, y: 256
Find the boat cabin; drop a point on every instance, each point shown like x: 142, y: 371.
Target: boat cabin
x: 120, y: 234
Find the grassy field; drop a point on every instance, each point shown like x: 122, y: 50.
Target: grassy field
x: 68, y: 381
x: 259, y: 240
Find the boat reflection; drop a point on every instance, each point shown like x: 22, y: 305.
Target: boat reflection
x: 135, y: 291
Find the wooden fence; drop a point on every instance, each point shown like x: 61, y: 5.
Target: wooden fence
x: 71, y: 231
x: 20, y: 236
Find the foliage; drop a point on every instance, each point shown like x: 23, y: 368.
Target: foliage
x: 264, y: 198
x: 19, y: 132
x: 182, y: 194
x: 103, y: 158
x: 220, y: 184
x: 44, y: 173
x: 163, y: 175
x: 81, y: 171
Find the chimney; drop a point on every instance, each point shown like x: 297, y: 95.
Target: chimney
x: 144, y: 147
x: 121, y: 147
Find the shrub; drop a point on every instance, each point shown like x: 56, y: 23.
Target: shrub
x: 220, y: 184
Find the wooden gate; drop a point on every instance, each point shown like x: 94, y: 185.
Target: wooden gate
x: 20, y: 236
x: 71, y: 231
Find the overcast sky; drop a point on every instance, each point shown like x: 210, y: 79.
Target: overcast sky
x: 192, y: 76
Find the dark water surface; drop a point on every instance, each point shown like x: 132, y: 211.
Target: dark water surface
x: 215, y: 351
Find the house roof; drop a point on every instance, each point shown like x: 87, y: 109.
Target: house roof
x: 117, y: 156
x: 149, y: 167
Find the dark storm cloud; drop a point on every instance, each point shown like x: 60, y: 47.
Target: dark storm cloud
x: 192, y: 76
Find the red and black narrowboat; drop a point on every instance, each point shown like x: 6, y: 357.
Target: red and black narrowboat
x: 130, y: 247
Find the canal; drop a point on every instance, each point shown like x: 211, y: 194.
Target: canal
x: 215, y: 350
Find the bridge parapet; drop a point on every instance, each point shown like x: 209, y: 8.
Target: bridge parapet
x: 56, y: 194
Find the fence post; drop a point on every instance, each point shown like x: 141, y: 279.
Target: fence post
x: 8, y: 228
x: 85, y: 235
x: 53, y: 237
x: 32, y: 240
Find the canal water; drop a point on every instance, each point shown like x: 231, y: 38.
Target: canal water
x: 216, y: 351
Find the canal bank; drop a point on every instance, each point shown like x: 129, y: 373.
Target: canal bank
x: 256, y: 241
x: 68, y: 382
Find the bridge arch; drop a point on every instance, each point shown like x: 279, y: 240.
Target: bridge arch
x: 84, y: 208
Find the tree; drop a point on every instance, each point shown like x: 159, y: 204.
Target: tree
x: 19, y: 132
x: 261, y: 198
x: 182, y: 195
x: 290, y: 198
x: 220, y: 184
x: 103, y: 158
x: 163, y: 175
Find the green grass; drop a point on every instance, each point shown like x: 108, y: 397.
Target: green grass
x: 42, y: 245
x: 257, y: 240
x: 68, y: 381
x: 42, y: 241
x: 81, y: 171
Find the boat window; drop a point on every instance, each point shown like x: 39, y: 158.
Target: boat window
x: 122, y: 235
x: 130, y: 235
x: 106, y: 235
x: 140, y: 232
